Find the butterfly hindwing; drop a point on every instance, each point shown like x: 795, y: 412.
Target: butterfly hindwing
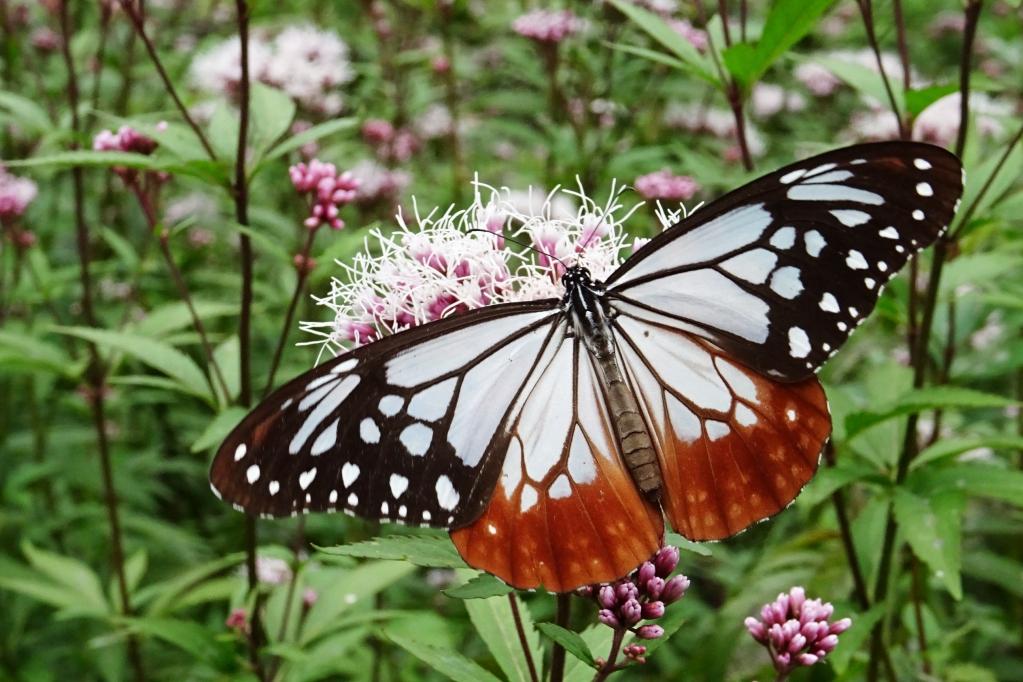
x: 565, y: 511
x: 734, y: 447
x: 395, y: 430
x: 780, y: 271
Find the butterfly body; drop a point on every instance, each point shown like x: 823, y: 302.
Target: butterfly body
x: 554, y: 438
x: 590, y: 316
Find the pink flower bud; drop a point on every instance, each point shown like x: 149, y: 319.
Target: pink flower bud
x: 607, y: 597
x: 650, y: 632
x: 607, y: 618
x: 674, y: 589
x: 666, y: 561
x: 645, y: 573
x: 631, y: 612
x: 653, y: 609
x: 654, y: 587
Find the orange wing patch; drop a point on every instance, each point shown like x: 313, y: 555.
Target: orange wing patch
x: 734, y: 447
x: 565, y: 512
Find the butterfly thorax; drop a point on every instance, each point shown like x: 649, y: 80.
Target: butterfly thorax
x: 586, y: 306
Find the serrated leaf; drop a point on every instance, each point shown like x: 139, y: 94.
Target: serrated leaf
x: 787, y: 22
x: 918, y: 400
x: 658, y: 29
x: 156, y: 354
x: 932, y: 526
x: 430, y: 551
x: 218, y: 428
x: 451, y: 664
x: 480, y: 586
x: 570, y: 641
x: 317, y: 132
x: 495, y: 625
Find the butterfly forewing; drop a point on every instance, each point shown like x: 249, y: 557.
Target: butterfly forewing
x: 781, y: 271
x: 565, y: 511
x: 398, y: 430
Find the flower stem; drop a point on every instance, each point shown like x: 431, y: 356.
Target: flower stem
x: 521, y: 631
x: 564, y: 606
x: 867, y: 11
x: 838, y: 499
x: 138, y: 21
x: 303, y: 275
x: 609, y: 665
x: 96, y: 372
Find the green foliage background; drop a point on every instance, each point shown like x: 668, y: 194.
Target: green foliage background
x: 956, y: 585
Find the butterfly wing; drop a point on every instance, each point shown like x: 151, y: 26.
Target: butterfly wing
x: 397, y: 430
x: 779, y: 272
x: 565, y: 512
x: 734, y: 447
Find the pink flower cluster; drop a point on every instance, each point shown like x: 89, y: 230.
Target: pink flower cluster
x: 643, y: 595
x: 391, y: 144
x: 378, y: 185
x: 126, y: 139
x: 694, y: 36
x: 328, y: 189
x: 15, y: 194
x: 664, y: 184
x: 548, y: 26
x: 795, y: 630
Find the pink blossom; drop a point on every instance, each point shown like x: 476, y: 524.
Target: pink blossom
x: 795, y: 630
x: 377, y: 131
x: 817, y: 79
x: 16, y: 194
x: 939, y: 123
x: 664, y: 184
x: 696, y: 37
x: 126, y: 139
x: 329, y: 190
x: 310, y: 597
x: 238, y: 620
x: 548, y: 26
x: 377, y: 183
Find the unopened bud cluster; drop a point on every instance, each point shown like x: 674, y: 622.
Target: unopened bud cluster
x: 795, y: 630
x: 328, y: 189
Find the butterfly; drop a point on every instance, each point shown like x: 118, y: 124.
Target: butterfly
x: 553, y: 438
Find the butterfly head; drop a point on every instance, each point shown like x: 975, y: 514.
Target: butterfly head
x: 576, y: 276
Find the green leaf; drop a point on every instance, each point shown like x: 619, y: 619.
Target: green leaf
x: 29, y: 116
x: 933, y: 527
x: 227, y: 355
x: 977, y: 177
x: 23, y: 352
x: 570, y: 641
x: 495, y: 625
x: 344, y: 589
x: 313, y: 134
x: 658, y: 29
x: 451, y: 664
x: 171, y: 317
x: 652, y: 55
x: 481, y: 586
x: 787, y: 22
x: 203, y: 644
x: 830, y: 479
x: 218, y: 428
x: 223, y: 132
x: 156, y: 354
x: 271, y: 114
x: 598, y: 638
x: 979, y: 480
x: 855, y: 637
x: 164, y: 597
x: 1005, y: 572
x: 70, y: 573
x: 687, y: 545
x: 863, y: 79
x: 918, y: 99
x: 31, y: 583
x: 89, y: 158
x: 430, y: 551
x: 921, y: 399
x: 950, y: 447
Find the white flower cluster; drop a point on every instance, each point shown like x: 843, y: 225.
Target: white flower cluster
x: 307, y: 63
x: 460, y: 260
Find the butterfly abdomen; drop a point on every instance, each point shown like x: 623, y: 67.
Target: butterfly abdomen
x: 631, y: 431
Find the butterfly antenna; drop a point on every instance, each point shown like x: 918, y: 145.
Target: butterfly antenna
x: 522, y: 244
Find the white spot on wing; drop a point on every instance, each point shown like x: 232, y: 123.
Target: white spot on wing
x: 306, y: 478
x: 808, y: 192
x: 353, y: 500
x: 850, y: 217
x: 342, y: 367
x: 918, y: 214
x: 924, y: 189
x: 349, y: 472
x: 717, y: 430
x: 432, y: 403
x: 581, y: 466
x: 786, y: 283
x: 784, y: 238
x: 369, y: 432
x: 799, y: 343
x: 889, y: 233
x: 560, y: 489
x: 792, y: 176
x: 855, y: 260
x: 328, y: 404
x: 922, y: 164
x: 529, y: 497
x: 447, y: 496
x: 399, y: 484
x: 239, y: 452
x: 274, y: 487
x: 815, y: 243
x: 252, y: 474
x: 333, y: 496
x: 326, y: 440
x: 737, y: 380
x: 744, y: 415
x: 416, y: 438
x: 829, y: 303
x: 752, y: 266
x: 390, y: 405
